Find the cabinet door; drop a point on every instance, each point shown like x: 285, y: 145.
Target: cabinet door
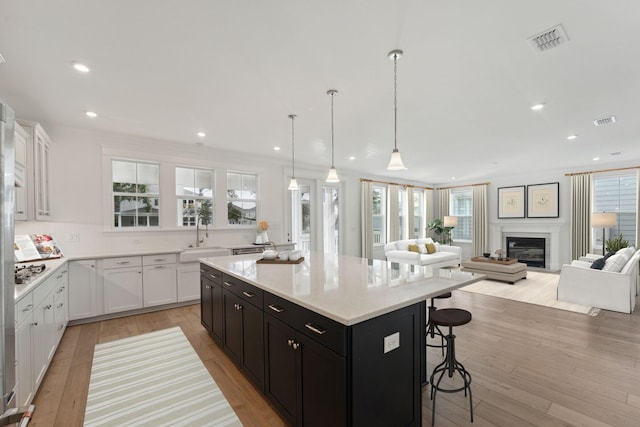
x: 217, y: 312
x: 83, y: 286
x: 24, y: 376
x: 122, y: 289
x: 324, y: 385
x: 233, y: 326
x: 188, y: 282
x: 280, y: 372
x: 21, y: 139
x: 43, y: 338
x: 42, y: 170
x: 206, y: 288
x: 252, y: 342
x: 159, y: 284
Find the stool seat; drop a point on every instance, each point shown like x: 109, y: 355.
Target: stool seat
x: 450, y: 317
x: 443, y: 296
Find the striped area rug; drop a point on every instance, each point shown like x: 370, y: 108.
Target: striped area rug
x: 154, y: 379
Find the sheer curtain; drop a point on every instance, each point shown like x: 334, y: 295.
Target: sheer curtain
x: 366, y: 220
x: 480, y: 218
x: 392, y: 213
x: 444, y: 195
x: 580, y: 215
x: 410, y: 209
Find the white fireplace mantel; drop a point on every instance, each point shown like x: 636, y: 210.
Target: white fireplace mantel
x: 551, y: 232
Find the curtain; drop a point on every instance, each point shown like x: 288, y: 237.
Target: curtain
x: 392, y: 214
x: 480, y: 218
x: 430, y: 214
x: 410, y: 208
x: 580, y: 215
x: 366, y: 220
x: 444, y: 196
x: 638, y: 213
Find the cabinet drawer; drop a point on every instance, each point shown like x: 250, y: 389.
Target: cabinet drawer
x: 159, y: 259
x: 244, y: 290
x: 322, y: 329
x: 24, y: 308
x: 126, y: 261
x: 211, y: 273
x: 44, y: 290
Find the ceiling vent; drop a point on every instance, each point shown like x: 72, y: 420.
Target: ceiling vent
x: 604, y: 121
x: 549, y: 39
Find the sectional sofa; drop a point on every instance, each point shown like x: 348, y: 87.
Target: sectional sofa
x: 415, y: 251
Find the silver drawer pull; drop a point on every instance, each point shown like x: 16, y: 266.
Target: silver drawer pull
x: 123, y: 262
x: 60, y: 305
x: 27, y: 308
x: 202, y: 270
x: 315, y: 329
x: 47, y: 307
x: 60, y: 276
x: 159, y: 259
x: 248, y: 294
x: 213, y: 276
x: 207, y: 287
x: 159, y: 267
x: 228, y: 284
x: 295, y: 345
x: 60, y: 290
x: 34, y: 324
x: 276, y: 308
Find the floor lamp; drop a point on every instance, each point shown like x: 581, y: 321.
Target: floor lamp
x: 450, y: 222
x: 604, y: 220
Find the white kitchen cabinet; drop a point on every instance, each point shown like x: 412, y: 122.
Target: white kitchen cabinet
x: 22, y: 181
x: 84, y: 301
x: 38, y: 171
x: 159, y: 280
x: 122, y: 284
x: 25, y: 388
x: 189, y: 281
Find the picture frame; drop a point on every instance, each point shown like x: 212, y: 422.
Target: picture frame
x: 511, y: 202
x: 543, y: 200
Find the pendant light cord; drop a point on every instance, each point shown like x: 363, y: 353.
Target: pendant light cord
x: 293, y: 154
x: 395, y: 101
x: 332, y: 146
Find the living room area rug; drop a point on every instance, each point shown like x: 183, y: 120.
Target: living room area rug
x: 538, y: 288
x: 154, y: 379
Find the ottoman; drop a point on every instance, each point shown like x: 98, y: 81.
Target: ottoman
x: 497, y: 271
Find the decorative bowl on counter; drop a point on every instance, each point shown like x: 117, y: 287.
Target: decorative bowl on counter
x: 269, y: 254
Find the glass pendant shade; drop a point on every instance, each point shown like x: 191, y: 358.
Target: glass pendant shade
x: 293, y: 184
x: 333, y: 175
x: 395, y: 164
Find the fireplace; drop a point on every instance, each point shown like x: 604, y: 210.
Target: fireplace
x: 529, y: 250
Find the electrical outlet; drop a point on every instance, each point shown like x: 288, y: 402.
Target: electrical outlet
x: 73, y: 236
x: 391, y: 342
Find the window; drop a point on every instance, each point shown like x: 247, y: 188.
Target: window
x: 379, y: 215
x: 194, y: 194
x: 418, y: 214
x: 241, y: 198
x: 135, y: 193
x: 616, y: 193
x: 461, y: 205
x: 402, y: 213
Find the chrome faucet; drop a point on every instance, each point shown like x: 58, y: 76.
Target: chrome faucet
x: 198, y: 240
x: 270, y: 244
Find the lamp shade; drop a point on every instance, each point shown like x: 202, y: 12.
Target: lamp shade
x: 293, y: 184
x: 450, y: 221
x: 395, y: 164
x: 604, y: 219
x: 333, y: 175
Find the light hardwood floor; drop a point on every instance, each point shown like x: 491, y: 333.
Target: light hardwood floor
x: 531, y: 366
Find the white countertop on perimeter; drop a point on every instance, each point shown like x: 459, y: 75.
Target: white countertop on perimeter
x: 346, y: 289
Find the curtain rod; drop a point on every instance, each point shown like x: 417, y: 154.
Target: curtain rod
x: 460, y: 186
x: 600, y: 171
x: 395, y: 183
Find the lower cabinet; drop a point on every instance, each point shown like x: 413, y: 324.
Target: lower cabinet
x: 83, y: 290
x: 159, y: 280
x: 122, y: 278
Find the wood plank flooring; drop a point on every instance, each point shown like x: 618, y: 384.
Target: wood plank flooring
x: 530, y: 366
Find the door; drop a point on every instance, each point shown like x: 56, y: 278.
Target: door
x: 280, y: 381
x: 331, y: 219
x: 233, y: 325
x: 302, y: 217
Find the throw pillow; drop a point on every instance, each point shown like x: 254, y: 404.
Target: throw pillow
x: 437, y: 246
x: 599, y: 263
x: 422, y: 248
x: 431, y: 248
x: 403, y: 245
x: 616, y: 263
x: 414, y: 248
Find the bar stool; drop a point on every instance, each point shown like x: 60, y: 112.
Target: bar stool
x: 450, y: 317
x: 433, y: 330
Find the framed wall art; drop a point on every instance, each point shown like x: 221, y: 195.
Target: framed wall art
x: 543, y: 200
x: 511, y: 202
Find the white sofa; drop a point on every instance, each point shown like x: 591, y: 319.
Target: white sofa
x: 444, y: 256
x: 610, y: 290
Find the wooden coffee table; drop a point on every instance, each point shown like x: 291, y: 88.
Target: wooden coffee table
x: 505, y: 270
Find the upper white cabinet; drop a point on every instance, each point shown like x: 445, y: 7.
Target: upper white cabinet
x: 38, y: 171
x: 22, y: 181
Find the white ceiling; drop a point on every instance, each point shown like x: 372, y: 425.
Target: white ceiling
x: 167, y: 69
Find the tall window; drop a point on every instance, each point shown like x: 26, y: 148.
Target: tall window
x: 194, y: 194
x: 135, y: 193
x: 330, y: 219
x: 242, y: 196
x: 379, y: 215
x: 616, y: 193
x: 461, y: 205
x: 418, y: 214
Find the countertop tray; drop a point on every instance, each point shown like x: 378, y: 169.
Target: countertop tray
x: 278, y: 261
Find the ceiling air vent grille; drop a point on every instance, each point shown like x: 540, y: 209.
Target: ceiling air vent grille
x: 604, y: 121
x: 549, y: 39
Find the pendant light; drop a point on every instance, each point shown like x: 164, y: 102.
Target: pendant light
x: 293, y: 184
x: 395, y: 164
x: 333, y: 173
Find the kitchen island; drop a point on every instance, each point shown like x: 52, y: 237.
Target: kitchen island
x: 334, y: 340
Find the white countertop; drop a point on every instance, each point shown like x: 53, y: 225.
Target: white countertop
x: 346, y: 289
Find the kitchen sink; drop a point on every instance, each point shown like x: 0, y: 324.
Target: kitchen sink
x: 193, y: 254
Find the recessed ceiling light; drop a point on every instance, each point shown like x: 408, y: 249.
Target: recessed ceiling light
x: 91, y: 114
x: 352, y: 157
x: 81, y: 67
x: 572, y: 137
x: 617, y: 153
x: 202, y: 134
x: 453, y: 177
x: 2, y: 59
x: 596, y: 158
x: 537, y: 107
x: 276, y: 148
